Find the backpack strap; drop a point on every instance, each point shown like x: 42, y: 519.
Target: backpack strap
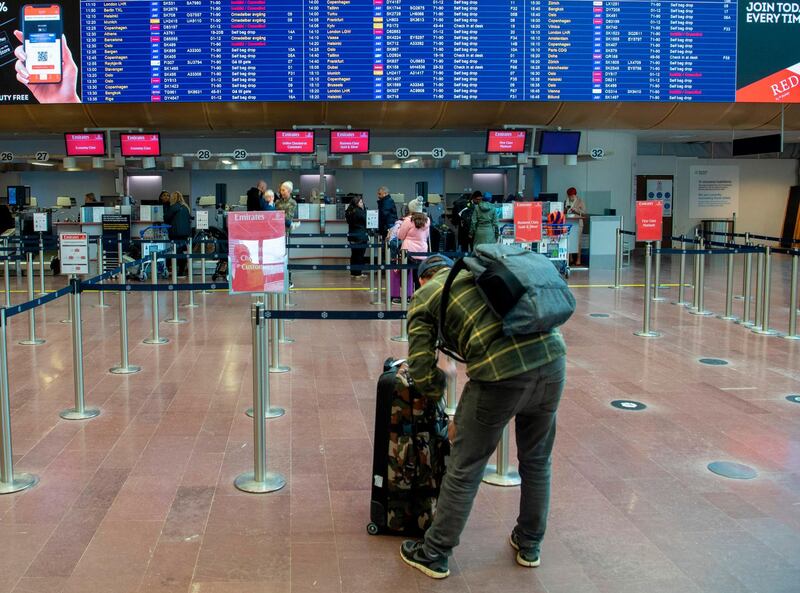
x: 441, y: 342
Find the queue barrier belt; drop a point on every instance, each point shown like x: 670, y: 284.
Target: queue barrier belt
x: 336, y: 315
x: 707, y: 251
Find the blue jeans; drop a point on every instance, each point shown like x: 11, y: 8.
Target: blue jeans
x: 485, y: 408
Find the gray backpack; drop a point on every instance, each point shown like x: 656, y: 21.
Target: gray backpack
x: 522, y: 288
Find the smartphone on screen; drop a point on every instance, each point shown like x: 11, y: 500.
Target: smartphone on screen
x: 42, y: 28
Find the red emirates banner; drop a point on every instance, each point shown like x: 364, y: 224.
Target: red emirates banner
x: 527, y: 222
x: 257, y: 251
x: 649, y: 216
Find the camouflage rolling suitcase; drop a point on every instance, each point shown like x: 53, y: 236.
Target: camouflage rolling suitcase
x: 411, y: 450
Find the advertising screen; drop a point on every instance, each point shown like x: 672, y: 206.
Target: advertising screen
x: 134, y: 145
x: 506, y: 141
x: 93, y: 144
x: 554, y: 142
x: 294, y: 141
x: 349, y: 141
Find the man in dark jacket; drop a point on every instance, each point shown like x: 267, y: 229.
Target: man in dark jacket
x: 387, y: 212
x: 516, y: 377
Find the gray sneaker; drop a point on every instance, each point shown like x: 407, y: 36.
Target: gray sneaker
x: 526, y: 556
x: 412, y: 554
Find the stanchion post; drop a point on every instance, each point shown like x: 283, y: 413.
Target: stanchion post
x: 701, y: 282
x: 403, y: 337
x: 502, y: 474
x: 792, y: 335
x: 7, y: 279
x: 124, y: 367
x: 648, y: 271
x: 747, y: 279
x: 175, y: 318
x: 274, y: 341
x: 80, y: 411
x: 282, y: 338
x: 682, y: 275
x: 759, y: 289
x: 101, y: 295
x: 203, y: 264
x: 729, y: 316
x: 764, y: 330
x: 387, y: 257
x: 9, y: 481
x: 155, y: 338
x: 270, y: 411
x: 377, y: 299
x: 451, y: 388
x: 190, y: 265
x: 618, y: 259
x: 42, y: 290
x: 657, y: 281
x: 32, y: 339
x: 259, y: 481
x: 371, y: 240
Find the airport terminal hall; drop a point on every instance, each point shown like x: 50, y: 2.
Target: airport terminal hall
x: 399, y: 296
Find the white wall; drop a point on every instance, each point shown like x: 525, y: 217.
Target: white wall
x: 47, y: 185
x: 763, y: 189
x: 613, y: 174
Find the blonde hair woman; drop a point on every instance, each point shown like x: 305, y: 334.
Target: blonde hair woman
x: 178, y: 216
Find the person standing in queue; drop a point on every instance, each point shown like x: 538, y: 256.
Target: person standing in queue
x: 519, y: 377
x: 356, y: 216
x: 178, y: 217
x: 575, y: 207
x: 387, y: 211
x: 483, y: 227
x: 288, y: 205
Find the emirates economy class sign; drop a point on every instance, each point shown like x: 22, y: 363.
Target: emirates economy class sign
x: 167, y: 51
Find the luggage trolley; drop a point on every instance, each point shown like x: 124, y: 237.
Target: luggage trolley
x: 554, y: 246
x: 158, y: 233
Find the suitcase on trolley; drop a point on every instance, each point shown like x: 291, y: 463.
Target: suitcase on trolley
x: 411, y: 450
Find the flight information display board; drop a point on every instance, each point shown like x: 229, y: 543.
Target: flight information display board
x: 408, y: 50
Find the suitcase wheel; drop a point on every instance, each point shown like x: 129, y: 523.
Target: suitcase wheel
x: 372, y: 529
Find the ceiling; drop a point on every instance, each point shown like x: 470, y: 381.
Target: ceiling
x: 399, y: 116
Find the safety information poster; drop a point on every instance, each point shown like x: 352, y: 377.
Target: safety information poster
x: 74, y: 253
x: 257, y: 254
x: 713, y: 191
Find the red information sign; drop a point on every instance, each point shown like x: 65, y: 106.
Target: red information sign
x: 527, y: 222
x: 257, y: 251
x: 649, y: 220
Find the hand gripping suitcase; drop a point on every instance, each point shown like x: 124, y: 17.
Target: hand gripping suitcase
x: 411, y: 450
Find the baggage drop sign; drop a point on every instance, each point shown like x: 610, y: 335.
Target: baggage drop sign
x: 649, y: 220
x: 257, y: 254
x: 528, y: 222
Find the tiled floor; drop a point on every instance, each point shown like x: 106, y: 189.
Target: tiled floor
x: 141, y: 499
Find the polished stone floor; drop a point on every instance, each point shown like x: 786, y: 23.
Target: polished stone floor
x: 140, y: 499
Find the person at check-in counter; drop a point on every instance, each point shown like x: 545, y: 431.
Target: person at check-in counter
x: 576, y: 208
x: 90, y: 198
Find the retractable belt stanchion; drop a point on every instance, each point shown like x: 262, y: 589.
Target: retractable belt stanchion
x: 377, y: 299
x: 759, y: 289
x: 288, y: 302
x: 648, y: 265
x: 155, y: 338
x: 259, y: 481
x: 729, y: 316
x: 502, y: 474
x: 42, y: 290
x: 371, y: 240
x: 764, y: 330
x: 203, y: 265
x: 101, y: 268
x: 618, y: 258
x: 282, y: 338
x: 700, y: 308
x: 80, y: 411
x: 124, y: 368
x: 747, y: 279
x: 270, y: 411
x: 274, y: 342
x: 70, y: 307
x: 175, y: 318
x: 451, y: 388
x: 190, y: 265
x: 682, y: 276
x: 387, y: 257
x: 7, y: 279
x: 745, y: 243
x: 9, y: 482
x: 657, y: 281
x: 403, y: 337
x: 32, y: 339
x: 792, y: 335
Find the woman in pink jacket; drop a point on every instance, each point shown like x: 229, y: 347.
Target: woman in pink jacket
x: 414, y: 232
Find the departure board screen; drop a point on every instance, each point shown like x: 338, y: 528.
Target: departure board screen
x: 412, y: 50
